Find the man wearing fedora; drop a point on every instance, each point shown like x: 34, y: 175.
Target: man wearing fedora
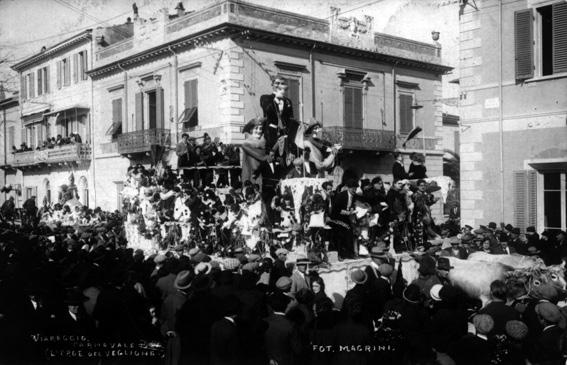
x: 168, y: 316
x: 74, y: 320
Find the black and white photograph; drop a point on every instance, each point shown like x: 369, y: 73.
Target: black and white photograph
x: 262, y: 182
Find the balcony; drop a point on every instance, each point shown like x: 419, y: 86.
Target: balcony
x: 73, y: 153
x: 361, y: 139
x: 142, y: 141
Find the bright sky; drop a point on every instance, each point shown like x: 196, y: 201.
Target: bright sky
x: 28, y: 25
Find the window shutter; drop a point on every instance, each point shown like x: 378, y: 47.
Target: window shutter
x: 524, y: 44
x: 348, y: 106
x: 559, y: 20
x: 192, y: 101
x: 32, y: 85
x: 357, y: 108
x: 406, y: 115
x: 24, y: 87
x: 24, y: 137
x: 67, y: 72
x: 46, y: 80
x: 59, y: 65
x: 139, y: 111
x: 40, y: 81
x: 525, y: 199
x: 76, y: 68
x: 160, y: 108
x: 85, y: 65
x: 116, y: 110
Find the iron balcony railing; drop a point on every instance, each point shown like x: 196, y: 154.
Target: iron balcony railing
x: 141, y: 141
x: 77, y: 152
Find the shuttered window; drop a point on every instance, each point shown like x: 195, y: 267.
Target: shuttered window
x: 406, y: 113
x: 160, y: 108
x: 83, y: 66
x: 76, y: 68
x: 59, y: 74
x: 23, y: 87
x: 31, y: 87
x: 525, y: 199
x: 190, y: 114
x: 139, y: 111
x: 293, y: 93
x: 352, y: 99
x: 40, y: 81
x: 66, y: 72
x: 46, y: 80
x: 523, y: 45
x: 559, y: 37
x: 117, y: 110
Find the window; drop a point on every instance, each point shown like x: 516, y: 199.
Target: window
x: 31, y: 85
x: 554, y: 206
x: 42, y: 81
x: 66, y: 71
x: 541, y: 41
x: 83, y: 65
x: 150, y: 106
x: 190, y: 116
x: 406, y: 113
x: 352, y: 101
x: 23, y: 87
x: 116, y: 127
x: 294, y: 94
x: 75, y: 68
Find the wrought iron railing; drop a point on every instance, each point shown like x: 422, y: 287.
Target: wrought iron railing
x: 361, y: 139
x: 77, y: 152
x: 141, y: 141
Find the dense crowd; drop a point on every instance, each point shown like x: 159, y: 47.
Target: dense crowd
x: 50, y: 143
x: 250, y: 308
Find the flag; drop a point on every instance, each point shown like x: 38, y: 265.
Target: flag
x: 414, y: 132
x: 299, y: 136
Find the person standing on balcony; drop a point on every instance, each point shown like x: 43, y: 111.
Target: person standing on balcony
x: 181, y: 152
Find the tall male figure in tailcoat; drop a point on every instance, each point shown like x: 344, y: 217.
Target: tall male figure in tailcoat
x: 279, y: 122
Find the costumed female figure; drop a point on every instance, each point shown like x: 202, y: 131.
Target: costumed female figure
x: 417, y: 168
x: 322, y: 152
x: 421, y: 219
x: 253, y: 150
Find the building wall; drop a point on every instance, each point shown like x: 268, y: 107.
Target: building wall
x: 533, y: 115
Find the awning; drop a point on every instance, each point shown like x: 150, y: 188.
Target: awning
x: 68, y: 108
x: 32, y: 118
x: 187, y: 115
x: 113, y: 129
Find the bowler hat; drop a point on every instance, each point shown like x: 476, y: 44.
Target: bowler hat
x: 75, y: 297
x: 492, y: 225
x: 358, y: 276
x: 531, y: 229
x: 516, y: 230
x: 509, y: 227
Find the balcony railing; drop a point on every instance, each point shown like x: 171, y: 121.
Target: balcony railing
x: 141, y: 141
x: 78, y: 152
x: 361, y: 139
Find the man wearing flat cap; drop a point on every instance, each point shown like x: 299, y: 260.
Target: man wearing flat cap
x: 279, y: 269
x: 546, y: 348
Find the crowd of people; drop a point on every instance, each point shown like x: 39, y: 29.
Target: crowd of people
x: 250, y: 307
x: 50, y: 143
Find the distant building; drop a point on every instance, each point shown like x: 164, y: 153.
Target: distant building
x: 513, y: 113
x: 10, y: 117
x: 204, y: 71
x: 55, y: 101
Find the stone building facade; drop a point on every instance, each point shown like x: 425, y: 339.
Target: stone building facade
x: 513, y: 109
x: 204, y: 71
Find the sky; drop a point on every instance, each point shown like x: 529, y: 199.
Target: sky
x: 28, y: 25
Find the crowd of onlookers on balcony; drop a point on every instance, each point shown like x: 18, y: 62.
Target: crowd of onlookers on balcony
x: 49, y: 143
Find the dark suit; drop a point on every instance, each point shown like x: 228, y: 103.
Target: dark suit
x: 546, y: 348
x: 472, y: 350
x: 399, y: 171
x: 282, y: 345
x: 224, y: 343
x: 278, y: 123
x: 379, y: 291
x: 342, y: 231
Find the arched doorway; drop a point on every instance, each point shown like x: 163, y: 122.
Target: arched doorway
x: 84, y: 191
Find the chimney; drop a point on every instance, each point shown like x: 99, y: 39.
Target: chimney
x: 2, y: 93
x: 135, y: 10
x: 180, y: 9
x: 128, y: 20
